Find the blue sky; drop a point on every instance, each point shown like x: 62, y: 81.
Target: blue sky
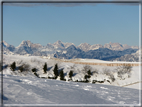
x: 93, y: 24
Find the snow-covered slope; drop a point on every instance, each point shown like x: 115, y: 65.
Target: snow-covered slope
x: 134, y: 57
x: 32, y: 91
x: 26, y: 88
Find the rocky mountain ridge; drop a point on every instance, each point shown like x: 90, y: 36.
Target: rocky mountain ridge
x: 110, y: 51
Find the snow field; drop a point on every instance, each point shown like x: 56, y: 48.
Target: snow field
x: 78, y: 75
x: 26, y: 88
x: 32, y: 90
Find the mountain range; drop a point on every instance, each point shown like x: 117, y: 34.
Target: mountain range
x: 109, y: 51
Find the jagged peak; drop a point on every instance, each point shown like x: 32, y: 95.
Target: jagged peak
x: 115, y: 43
x: 27, y: 42
x: 5, y: 43
x: 58, y: 42
x: 84, y: 44
x: 72, y: 47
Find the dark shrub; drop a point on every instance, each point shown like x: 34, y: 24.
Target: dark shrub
x: 94, y: 81
x: 24, y: 67
x: 35, y: 74
x: 21, y: 68
x: 34, y: 70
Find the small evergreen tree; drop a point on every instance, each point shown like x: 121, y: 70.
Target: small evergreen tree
x: 85, y: 77
x: 89, y: 73
x: 13, y: 66
x: 45, y: 67
x: 61, y: 75
x: 56, y: 71
x: 71, y: 74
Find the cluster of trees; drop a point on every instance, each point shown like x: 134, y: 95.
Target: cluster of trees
x: 121, y: 70
x: 25, y: 67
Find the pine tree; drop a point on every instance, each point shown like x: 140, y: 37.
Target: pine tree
x: 45, y: 67
x: 85, y: 77
x: 61, y: 75
x: 71, y: 74
x: 56, y: 71
x: 13, y: 66
x: 89, y: 73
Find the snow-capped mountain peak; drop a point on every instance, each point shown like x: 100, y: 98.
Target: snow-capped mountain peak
x: 58, y: 44
x: 25, y: 43
x: 5, y: 44
x: 68, y: 50
x: 84, y: 46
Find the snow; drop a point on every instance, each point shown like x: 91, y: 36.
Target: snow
x: 101, y: 61
x: 20, y: 88
x: 32, y: 90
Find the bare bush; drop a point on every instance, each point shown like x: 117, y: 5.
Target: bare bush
x: 24, y: 67
x: 121, y: 70
x: 96, y: 71
x: 19, y: 62
x: 109, y: 74
x: 127, y: 68
x: 86, y: 68
x: 36, y: 61
x: 106, y: 71
x: 73, y: 67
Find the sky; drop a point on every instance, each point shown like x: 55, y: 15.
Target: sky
x: 83, y: 23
